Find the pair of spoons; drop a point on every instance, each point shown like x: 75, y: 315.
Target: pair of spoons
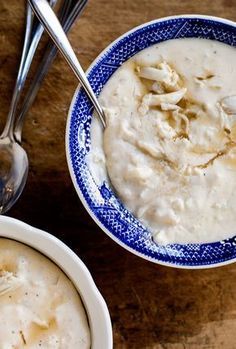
x: 13, y: 159
x: 13, y: 175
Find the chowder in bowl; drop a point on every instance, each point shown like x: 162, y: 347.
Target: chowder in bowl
x: 120, y: 217
x: 47, y: 295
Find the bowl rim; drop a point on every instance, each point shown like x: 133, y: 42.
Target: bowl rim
x: 67, y: 143
x: 60, y: 254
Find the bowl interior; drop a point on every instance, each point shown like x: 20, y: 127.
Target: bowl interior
x: 100, y: 201
x: 73, y: 267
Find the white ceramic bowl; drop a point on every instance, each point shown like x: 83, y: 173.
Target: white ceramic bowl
x: 74, y: 268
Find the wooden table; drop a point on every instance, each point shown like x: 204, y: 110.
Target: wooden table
x: 151, y: 306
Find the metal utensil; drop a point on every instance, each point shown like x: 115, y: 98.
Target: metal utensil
x: 67, y: 17
x: 13, y: 158
x: 49, y: 20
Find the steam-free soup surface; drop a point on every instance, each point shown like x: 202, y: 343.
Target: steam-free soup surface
x: 39, y: 306
x: 170, y: 142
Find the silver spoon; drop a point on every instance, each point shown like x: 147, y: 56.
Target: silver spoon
x: 13, y: 158
x: 49, y: 20
x: 68, y: 13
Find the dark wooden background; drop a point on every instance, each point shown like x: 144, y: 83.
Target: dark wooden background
x: 151, y: 306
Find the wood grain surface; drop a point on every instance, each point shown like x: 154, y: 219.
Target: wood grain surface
x: 152, y: 307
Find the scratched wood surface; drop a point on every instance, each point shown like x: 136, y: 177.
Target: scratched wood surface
x: 152, y: 307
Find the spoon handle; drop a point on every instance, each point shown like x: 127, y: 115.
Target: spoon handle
x: 49, y: 20
x: 68, y: 13
x: 31, y: 41
x: 20, y: 78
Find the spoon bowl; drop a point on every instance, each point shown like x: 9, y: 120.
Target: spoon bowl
x: 14, y: 166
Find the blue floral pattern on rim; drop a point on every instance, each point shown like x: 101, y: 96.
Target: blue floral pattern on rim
x: 101, y: 201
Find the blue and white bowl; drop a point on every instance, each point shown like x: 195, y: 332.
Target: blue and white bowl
x: 100, y: 201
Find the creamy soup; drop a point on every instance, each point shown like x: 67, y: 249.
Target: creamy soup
x: 170, y: 142
x: 39, y: 306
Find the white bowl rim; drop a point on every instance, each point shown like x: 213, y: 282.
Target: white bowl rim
x: 59, y: 253
x: 69, y: 162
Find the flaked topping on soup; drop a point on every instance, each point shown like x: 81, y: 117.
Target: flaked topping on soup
x: 39, y: 306
x: 170, y: 142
